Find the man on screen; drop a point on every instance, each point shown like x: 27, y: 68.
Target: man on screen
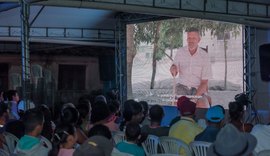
x: 193, y: 66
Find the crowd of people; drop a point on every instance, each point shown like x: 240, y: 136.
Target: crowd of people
x: 86, y: 128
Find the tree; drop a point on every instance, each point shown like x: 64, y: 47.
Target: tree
x: 223, y: 29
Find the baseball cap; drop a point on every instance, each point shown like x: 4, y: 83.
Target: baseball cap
x: 95, y: 146
x: 186, y: 106
x: 214, y: 114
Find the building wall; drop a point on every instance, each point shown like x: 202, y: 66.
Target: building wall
x: 45, y: 86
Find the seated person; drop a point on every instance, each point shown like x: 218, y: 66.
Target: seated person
x: 133, y: 134
x: 179, y: 101
x: 156, y: 114
x: 214, y: 116
x: 236, y: 111
x: 186, y: 128
x: 30, y: 143
x: 230, y: 141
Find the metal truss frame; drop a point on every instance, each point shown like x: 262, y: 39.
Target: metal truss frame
x: 249, y: 58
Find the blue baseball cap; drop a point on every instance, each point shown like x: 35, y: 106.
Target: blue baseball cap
x: 214, y: 114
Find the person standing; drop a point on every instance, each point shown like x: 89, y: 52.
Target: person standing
x: 192, y: 64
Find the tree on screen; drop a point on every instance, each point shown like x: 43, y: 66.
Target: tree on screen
x: 221, y: 28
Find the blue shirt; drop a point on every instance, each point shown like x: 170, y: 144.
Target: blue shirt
x: 131, y: 148
x: 208, y: 135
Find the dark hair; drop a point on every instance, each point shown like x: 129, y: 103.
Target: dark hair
x: 83, y: 108
x: 156, y: 113
x: 235, y: 110
x: 47, y: 126
x: 31, y: 119
x: 3, y: 108
x: 131, y: 108
x: 100, y: 111
x: 69, y: 115
x: 11, y: 93
x: 100, y: 130
x: 145, y: 107
x: 133, y: 131
x: 60, y: 137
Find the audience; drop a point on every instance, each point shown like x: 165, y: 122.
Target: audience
x: 70, y: 115
x: 145, y: 119
x: 63, y: 140
x: 131, y: 145
x: 236, y: 111
x: 30, y: 143
x: 13, y: 98
x: 231, y: 142
x: 214, y: 116
x: 3, y: 120
x: 84, y: 108
x: 179, y: 101
x: 132, y: 113
x: 156, y: 114
x: 48, y: 126
x: 186, y: 128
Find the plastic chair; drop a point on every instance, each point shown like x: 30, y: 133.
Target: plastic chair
x: 264, y: 153
x: 46, y: 142
x: 150, y: 145
x: 118, y: 136
x: 11, y: 142
x: 199, y: 148
x: 174, y: 146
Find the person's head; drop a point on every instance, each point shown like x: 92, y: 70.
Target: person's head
x: 236, y: 110
x: 230, y: 141
x: 100, y: 130
x: 13, y: 95
x: 133, y: 111
x: 145, y: 109
x: 193, y: 38
x: 84, y: 108
x: 64, y: 137
x: 100, y: 112
x: 33, y: 120
x: 186, y: 107
x: 214, y: 115
x: 69, y: 115
x: 3, y: 114
x: 133, y: 132
x: 156, y: 114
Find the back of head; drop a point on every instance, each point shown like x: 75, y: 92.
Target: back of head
x: 60, y: 137
x: 236, y: 110
x: 100, y: 111
x: 156, y: 113
x: 31, y: 119
x: 95, y: 146
x: 69, y: 115
x: 100, y: 130
x: 133, y: 131
x: 131, y: 108
x: 10, y: 94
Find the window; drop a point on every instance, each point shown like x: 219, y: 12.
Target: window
x: 71, y: 77
x: 221, y: 36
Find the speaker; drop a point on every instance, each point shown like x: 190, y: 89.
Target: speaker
x: 106, y: 67
x: 264, y: 52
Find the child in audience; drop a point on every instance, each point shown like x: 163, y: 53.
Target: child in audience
x: 30, y: 143
x: 63, y: 141
x: 131, y: 146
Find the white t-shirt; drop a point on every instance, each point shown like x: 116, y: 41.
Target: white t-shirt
x: 262, y: 134
x: 192, y: 68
